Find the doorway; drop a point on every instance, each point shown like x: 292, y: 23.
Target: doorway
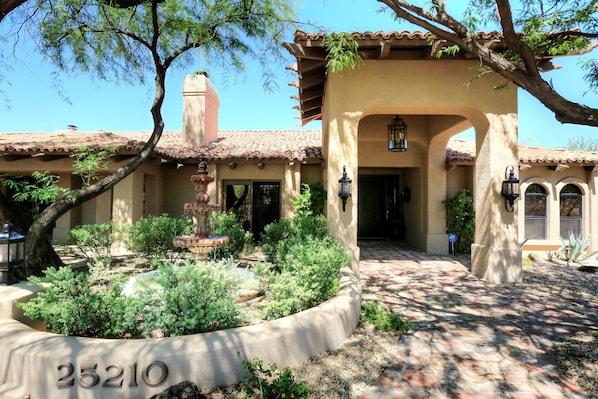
x: 380, y: 208
x: 256, y: 204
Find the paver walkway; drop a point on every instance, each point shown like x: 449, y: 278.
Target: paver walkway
x: 471, y: 339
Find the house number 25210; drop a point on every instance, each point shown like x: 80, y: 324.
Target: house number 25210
x: 113, y: 375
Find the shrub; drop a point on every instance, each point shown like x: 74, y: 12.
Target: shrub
x: 153, y: 235
x: 383, y: 318
x: 227, y: 223
x: 271, y: 383
x: 95, y: 240
x: 308, y: 275
x: 195, y: 298
x: 304, y: 225
x: 71, y: 305
x: 460, y: 220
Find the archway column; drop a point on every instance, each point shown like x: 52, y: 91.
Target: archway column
x: 495, y: 256
x: 340, y: 150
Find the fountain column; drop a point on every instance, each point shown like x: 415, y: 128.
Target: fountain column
x: 201, y: 242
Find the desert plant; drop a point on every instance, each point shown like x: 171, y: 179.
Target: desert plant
x: 239, y: 240
x: 304, y: 225
x: 383, y: 318
x: 308, y: 275
x: 95, y: 241
x: 271, y: 383
x: 460, y: 220
x: 573, y: 250
x: 71, y: 304
x: 194, y: 298
x: 152, y: 236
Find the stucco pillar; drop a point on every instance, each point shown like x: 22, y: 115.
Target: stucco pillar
x: 494, y: 255
x: 292, y: 187
x: 127, y: 199
x: 70, y: 219
x: 341, y: 137
x: 436, y: 237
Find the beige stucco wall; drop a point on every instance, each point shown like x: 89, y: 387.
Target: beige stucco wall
x: 436, y: 101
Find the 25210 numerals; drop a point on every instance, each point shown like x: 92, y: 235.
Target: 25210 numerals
x: 153, y: 375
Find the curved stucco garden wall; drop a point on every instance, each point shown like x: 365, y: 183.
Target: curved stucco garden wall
x: 46, y: 365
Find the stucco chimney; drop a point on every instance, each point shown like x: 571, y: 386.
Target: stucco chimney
x: 200, y: 111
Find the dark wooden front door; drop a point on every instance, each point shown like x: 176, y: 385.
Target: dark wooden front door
x: 379, y: 207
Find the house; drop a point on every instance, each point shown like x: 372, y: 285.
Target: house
x: 395, y: 194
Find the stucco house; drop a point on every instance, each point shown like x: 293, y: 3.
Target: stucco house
x: 395, y: 194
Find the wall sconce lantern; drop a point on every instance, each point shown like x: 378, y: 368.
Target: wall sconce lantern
x: 344, y: 187
x: 397, y: 135
x: 12, y: 253
x: 510, y: 188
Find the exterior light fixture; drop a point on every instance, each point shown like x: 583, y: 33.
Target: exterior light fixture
x: 510, y: 188
x: 397, y: 135
x: 12, y: 253
x: 344, y: 187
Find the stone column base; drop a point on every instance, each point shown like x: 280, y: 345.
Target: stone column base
x: 496, y: 265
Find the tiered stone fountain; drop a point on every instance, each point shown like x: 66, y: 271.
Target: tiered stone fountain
x: 201, y: 242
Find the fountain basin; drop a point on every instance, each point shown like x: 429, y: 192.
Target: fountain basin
x: 47, y: 365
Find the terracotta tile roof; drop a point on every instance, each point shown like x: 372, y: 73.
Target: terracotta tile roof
x: 63, y: 142
x: 462, y: 151
x: 298, y: 145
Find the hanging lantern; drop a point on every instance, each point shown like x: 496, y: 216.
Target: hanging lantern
x: 510, y: 188
x: 397, y: 135
x: 344, y: 187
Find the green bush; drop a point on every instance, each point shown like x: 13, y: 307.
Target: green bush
x: 71, y: 305
x: 227, y: 223
x: 383, y: 318
x: 152, y: 236
x: 195, y: 298
x: 304, y: 225
x: 271, y: 383
x: 95, y: 240
x: 460, y: 220
x: 307, y: 276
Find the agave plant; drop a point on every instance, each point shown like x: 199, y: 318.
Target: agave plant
x: 574, y: 249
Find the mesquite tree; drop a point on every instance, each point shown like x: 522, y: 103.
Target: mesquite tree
x: 129, y: 40
x: 536, y: 32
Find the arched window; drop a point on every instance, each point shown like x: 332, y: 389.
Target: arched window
x: 570, y: 205
x: 535, y: 212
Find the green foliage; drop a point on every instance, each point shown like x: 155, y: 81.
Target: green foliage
x: 342, y: 52
x: 460, y: 220
x: 582, y: 143
x: 88, y: 162
x: 270, y: 383
x: 228, y: 224
x: 574, y: 249
x: 71, y: 304
x: 95, y: 240
x: 383, y: 318
x: 279, y: 236
x: 41, y: 189
x: 194, y: 298
x: 448, y: 51
x: 153, y: 235
x: 317, y: 196
x: 307, y: 276
x: 87, y: 33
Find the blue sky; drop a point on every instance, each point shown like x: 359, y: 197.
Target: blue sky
x: 30, y: 102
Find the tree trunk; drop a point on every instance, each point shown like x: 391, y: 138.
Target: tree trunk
x: 40, y: 227
x: 22, y: 218
x: 7, y: 6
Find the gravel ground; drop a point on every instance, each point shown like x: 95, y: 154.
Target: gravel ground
x: 349, y: 370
